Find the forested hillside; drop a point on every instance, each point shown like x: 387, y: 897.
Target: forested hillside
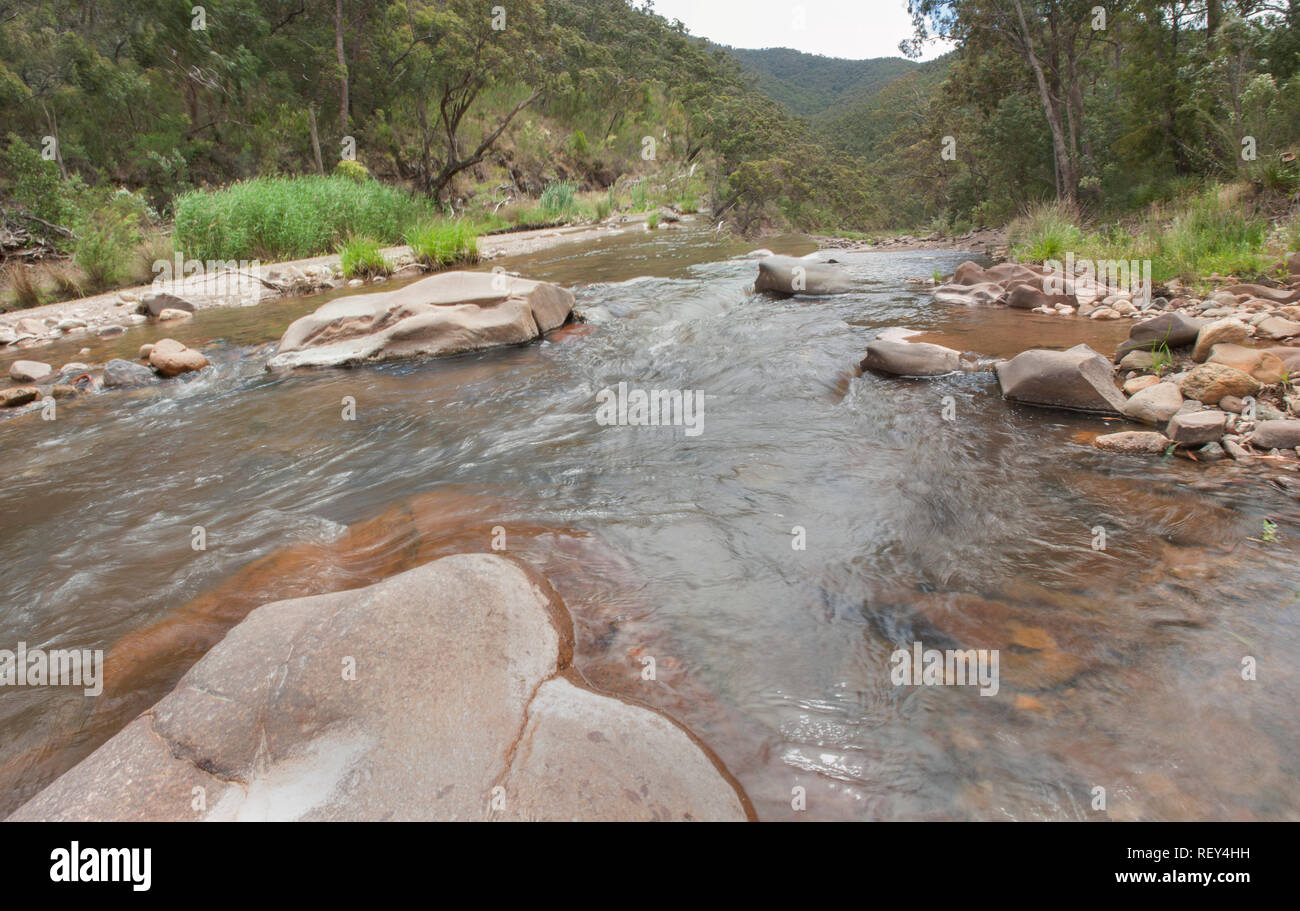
x: 116, y: 111
x: 810, y: 84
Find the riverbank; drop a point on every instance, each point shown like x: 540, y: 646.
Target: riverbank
x: 112, y: 312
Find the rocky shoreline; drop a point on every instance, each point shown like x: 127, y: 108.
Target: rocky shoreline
x: 1213, y: 373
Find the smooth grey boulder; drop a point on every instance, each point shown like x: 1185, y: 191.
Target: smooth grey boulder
x: 28, y: 371
x: 154, y: 303
x: 1155, y: 404
x: 1079, y: 379
x: 910, y: 358
x: 444, y: 314
x: 441, y: 693
x: 792, y: 275
x: 119, y: 373
x: 1275, y: 435
x: 1168, y: 329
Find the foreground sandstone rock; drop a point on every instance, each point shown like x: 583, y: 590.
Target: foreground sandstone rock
x: 444, y: 314
x: 792, y: 275
x: 462, y: 686
x: 1079, y: 379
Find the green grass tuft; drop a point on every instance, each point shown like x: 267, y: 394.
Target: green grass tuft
x: 438, y: 243
x: 360, y: 257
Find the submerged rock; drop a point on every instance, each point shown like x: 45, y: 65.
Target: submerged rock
x: 120, y: 373
x: 444, y: 314
x: 980, y: 294
x: 1079, y: 379
x: 910, y: 358
x: 460, y: 707
x: 792, y: 275
x: 19, y: 395
x: 1133, y: 441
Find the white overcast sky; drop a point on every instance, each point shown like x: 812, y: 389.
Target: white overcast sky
x: 855, y: 29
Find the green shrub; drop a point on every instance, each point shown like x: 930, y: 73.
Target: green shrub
x: 34, y: 185
x: 653, y: 221
x: 360, y: 257
x: 108, y: 238
x: 352, y: 170
x: 439, y: 243
x: 273, y: 218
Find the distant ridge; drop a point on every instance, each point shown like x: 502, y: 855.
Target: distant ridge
x: 810, y: 84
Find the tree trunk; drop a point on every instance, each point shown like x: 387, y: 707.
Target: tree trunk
x: 343, y: 66
x: 1068, y: 182
x: 315, y: 138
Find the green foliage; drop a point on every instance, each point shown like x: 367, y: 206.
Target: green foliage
x: 809, y: 84
x: 33, y: 184
x: 107, y: 240
x: 653, y: 221
x: 1215, y: 230
x: 440, y: 243
x: 273, y: 218
x: 361, y: 257
x: 352, y: 170
x: 558, y: 198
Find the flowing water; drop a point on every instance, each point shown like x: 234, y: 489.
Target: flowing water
x: 1120, y: 667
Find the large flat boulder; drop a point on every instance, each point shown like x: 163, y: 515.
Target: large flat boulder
x: 449, y: 313
x: 1079, y: 379
x: 442, y: 693
x: 792, y: 275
